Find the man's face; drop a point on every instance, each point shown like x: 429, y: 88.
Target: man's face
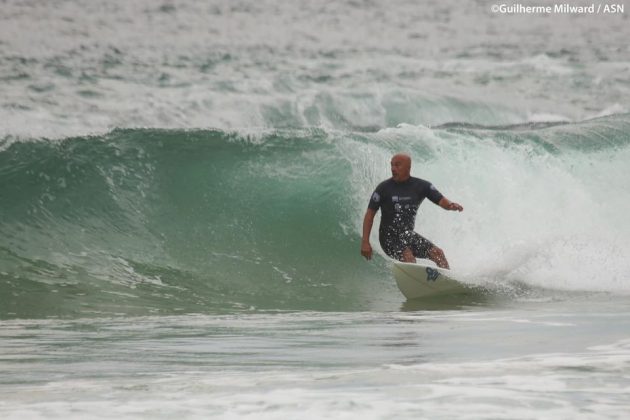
x: 401, y: 168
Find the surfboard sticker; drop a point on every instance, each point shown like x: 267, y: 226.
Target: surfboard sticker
x: 424, y: 278
x: 432, y: 274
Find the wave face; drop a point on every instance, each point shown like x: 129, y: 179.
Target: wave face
x: 144, y: 221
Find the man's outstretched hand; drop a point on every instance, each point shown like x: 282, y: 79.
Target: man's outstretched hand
x: 455, y: 206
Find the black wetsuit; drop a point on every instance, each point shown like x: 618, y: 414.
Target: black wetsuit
x: 399, y: 202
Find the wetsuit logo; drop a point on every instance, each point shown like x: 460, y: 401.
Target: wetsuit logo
x: 397, y: 198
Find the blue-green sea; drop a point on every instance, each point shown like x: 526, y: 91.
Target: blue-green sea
x: 182, y: 190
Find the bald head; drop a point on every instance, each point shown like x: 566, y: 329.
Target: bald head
x: 401, y: 167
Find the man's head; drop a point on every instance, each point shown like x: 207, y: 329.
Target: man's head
x: 401, y: 167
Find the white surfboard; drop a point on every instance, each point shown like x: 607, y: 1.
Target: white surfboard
x: 423, y: 279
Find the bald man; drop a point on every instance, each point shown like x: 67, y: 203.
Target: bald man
x: 399, y: 198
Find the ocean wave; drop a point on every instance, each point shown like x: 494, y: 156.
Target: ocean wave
x: 149, y: 220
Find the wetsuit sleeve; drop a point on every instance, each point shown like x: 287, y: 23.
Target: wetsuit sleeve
x: 375, y: 200
x: 433, y: 194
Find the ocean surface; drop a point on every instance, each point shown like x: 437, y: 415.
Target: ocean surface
x: 183, y: 183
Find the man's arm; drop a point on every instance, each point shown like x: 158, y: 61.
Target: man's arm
x: 446, y: 204
x: 368, y: 221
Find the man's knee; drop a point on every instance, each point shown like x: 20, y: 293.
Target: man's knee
x: 437, y: 255
x: 436, y: 252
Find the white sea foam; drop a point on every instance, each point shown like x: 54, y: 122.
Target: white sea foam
x: 194, y: 375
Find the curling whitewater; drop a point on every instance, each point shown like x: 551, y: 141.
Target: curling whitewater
x: 150, y: 221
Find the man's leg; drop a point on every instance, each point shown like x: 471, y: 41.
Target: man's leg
x: 407, y: 256
x: 437, y: 256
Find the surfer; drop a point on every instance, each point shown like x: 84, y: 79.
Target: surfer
x: 399, y: 198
